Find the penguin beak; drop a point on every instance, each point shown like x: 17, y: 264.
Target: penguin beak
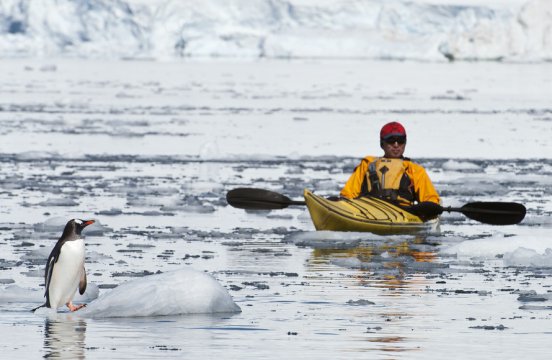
x: 87, y: 222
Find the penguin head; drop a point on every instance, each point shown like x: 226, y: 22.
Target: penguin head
x: 75, y: 226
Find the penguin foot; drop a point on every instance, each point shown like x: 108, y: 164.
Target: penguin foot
x: 74, y: 307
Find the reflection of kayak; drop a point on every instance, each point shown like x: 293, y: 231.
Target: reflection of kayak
x: 365, y: 214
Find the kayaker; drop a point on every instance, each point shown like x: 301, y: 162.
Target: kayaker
x: 391, y: 177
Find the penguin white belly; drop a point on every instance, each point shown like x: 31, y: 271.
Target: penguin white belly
x: 66, y: 273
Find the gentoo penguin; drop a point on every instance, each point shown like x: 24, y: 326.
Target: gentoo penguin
x: 65, y: 267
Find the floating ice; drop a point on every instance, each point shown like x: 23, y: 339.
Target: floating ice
x: 59, y: 202
x: 520, y: 250
x: 327, y: 239
x: 110, y: 212
x: 57, y: 224
x: 54, y: 224
x: 460, y: 165
x: 197, y: 209
x: 92, y: 292
x: 539, y: 220
x: 179, y: 230
x: 35, y: 155
x: 37, y: 256
x: 15, y: 293
x: 96, y: 229
x: 475, y: 186
x: 280, y: 216
x: 35, y: 273
x: 96, y: 256
x: 326, y: 185
x: 533, y: 296
x: 528, y: 257
x: 178, y: 292
x: 360, y: 302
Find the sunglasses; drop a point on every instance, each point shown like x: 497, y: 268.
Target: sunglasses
x: 401, y: 140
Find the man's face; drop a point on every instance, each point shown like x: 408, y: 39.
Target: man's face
x: 394, y: 146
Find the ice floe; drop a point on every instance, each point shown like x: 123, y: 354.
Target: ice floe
x: 528, y: 257
x: 14, y: 293
x: 526, y: 250
x: 461, y: 165
x: 178, y: 292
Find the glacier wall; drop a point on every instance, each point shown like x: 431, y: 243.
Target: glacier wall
x: 377, y: 29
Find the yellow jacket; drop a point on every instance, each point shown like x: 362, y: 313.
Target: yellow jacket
x: 423, y: 188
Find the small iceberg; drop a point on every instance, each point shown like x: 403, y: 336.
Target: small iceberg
x: 57, y: 224
x: 461, y: 166
x: 178, y: 292
x: 16, y: 294
x: 528, y: 257
x: 58, y: 202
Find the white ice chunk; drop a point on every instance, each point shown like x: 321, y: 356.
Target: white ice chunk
x: 183, y: 291
x: 15, y: 293
x: 92, y: 292
x: 528, y: 257
x: 52, y: 224
x: 57, y: 224
x: 496, y: 245
x: 460, y: 165
x: 59, y: 202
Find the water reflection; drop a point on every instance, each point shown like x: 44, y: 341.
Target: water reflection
x: 390, y: 259
x: 64, y: 338
x: 398, y: 267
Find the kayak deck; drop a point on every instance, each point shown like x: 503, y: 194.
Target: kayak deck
x: 366, y: 214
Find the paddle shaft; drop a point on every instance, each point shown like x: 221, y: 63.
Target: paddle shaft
x: 465, y: 209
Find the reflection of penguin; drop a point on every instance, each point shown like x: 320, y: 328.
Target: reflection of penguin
x: 64, y: 338
x: 65, y: 267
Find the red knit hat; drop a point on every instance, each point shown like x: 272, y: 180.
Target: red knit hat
x: 392, y: 129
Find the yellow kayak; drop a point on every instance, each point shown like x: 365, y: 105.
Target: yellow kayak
x: 365, y: 214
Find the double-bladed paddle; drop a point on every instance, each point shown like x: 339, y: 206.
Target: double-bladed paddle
x: 494, y: 213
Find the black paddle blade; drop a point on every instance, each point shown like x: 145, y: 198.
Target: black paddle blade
x: 495, y: 213
x: 257, y: 199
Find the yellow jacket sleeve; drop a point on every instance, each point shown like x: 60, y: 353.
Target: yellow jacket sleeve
x: 353, y: 186
x: 423, y: 187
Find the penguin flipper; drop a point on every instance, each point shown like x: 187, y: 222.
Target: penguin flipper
x: 48, y: 278
x: 82, y: 282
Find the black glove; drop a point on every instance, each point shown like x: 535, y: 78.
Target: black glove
x: 426, y: 210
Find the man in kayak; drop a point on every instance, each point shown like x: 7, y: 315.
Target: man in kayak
x: 392, y: 177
